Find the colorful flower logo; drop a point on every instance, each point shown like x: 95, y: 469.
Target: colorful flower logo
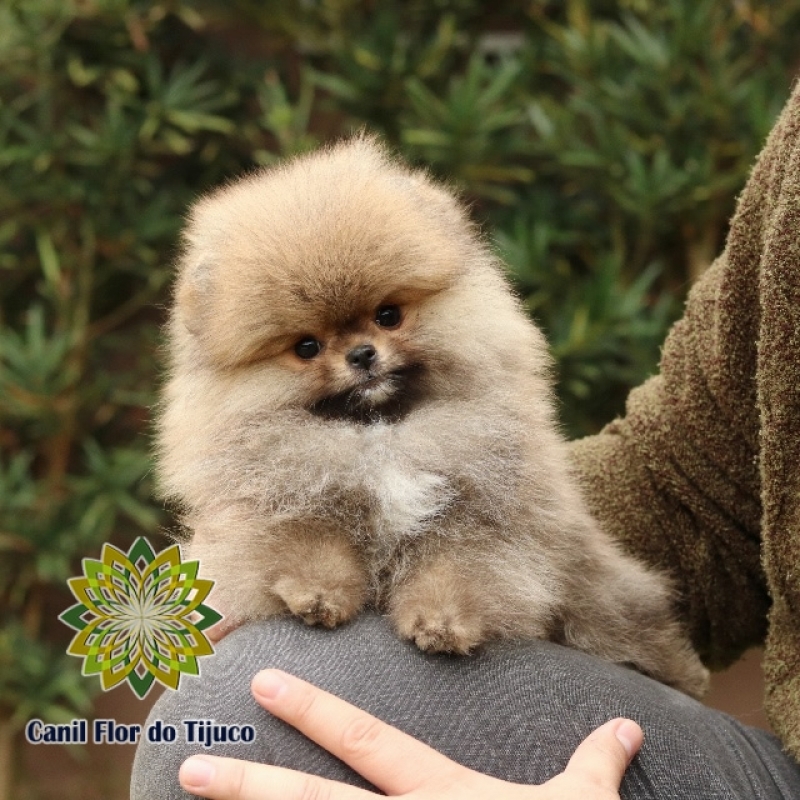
x: 140, y: 617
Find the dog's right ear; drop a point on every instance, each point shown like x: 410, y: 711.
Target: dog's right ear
x: 193, y: 287
x: 192, y: 293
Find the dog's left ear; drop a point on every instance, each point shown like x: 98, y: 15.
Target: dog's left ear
x: 443, y: 200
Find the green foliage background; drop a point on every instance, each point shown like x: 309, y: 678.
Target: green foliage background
x: 601, y: 142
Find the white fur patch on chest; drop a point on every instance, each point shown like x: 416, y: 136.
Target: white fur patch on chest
x: 408, y: 500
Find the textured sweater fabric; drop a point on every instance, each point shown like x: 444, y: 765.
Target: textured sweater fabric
x: 702, y: 475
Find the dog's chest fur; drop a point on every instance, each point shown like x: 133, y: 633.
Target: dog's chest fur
x: 405, y: 500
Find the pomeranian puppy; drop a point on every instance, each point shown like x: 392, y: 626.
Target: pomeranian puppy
x: 359, y: 413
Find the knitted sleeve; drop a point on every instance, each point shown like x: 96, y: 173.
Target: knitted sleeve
x: 702, y: 475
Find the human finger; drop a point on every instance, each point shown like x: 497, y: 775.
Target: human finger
x: 605, y: 754
x: 388, y: 758
x: 231, y: 779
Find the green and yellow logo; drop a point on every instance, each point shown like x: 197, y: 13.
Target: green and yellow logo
x: 140, y: 617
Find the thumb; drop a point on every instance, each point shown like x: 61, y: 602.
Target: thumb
x: 604, y: 755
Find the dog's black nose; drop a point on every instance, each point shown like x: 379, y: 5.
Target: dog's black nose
x: 362, y: 357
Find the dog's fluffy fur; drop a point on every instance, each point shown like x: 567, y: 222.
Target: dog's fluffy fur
x: 422, y: 474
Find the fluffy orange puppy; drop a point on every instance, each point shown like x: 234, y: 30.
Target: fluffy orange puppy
x: 359, y: 413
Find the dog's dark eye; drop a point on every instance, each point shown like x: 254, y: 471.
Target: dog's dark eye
x: 388, y: 316
x: 308, y: 347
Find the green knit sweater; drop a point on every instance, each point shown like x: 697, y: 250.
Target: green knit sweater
x: 702, y: 476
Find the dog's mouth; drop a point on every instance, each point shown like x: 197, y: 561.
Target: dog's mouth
x: 380, y: 397
x: 379, y: 388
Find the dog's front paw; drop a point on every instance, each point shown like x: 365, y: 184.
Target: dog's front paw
x: 327, y: 606
x: 440, y: 630
x: 439, y: 610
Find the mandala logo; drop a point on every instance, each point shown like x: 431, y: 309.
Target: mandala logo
x: 140, y: 617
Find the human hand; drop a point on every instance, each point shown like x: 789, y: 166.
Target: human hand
x: 397, y: 764
x: 221, y: 629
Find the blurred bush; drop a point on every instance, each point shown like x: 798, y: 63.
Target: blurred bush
x: 601, y: 143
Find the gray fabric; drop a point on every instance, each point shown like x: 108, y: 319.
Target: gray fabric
x: 516, y: 712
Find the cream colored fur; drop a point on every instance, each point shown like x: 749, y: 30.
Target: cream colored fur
x: 433, y: 486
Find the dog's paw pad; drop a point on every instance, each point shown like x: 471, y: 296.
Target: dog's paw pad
x: 444, y: 634
x: 320, y: 611
x: 328, y: 608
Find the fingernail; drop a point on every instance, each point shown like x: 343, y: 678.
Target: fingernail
x: 269, y: 684
x: 196, y: 773
x: 629, y: 736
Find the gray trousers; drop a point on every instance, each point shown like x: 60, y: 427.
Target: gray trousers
x: 516, y: 712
